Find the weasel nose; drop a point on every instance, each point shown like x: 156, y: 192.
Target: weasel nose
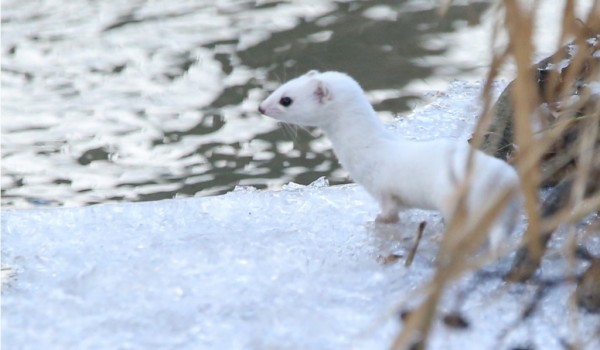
x: 261, y: 110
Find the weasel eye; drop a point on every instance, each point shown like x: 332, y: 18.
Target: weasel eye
x: 285, y: 101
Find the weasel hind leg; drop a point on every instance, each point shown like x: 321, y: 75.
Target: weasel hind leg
x: 505, y: 224
x: 389, y: 210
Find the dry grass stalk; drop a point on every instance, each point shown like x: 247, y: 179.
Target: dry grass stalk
x: 413, y: 250
x: 462, y: 238
x: 557, y: 87
x: 519, y: 23
x: 484, y: 121
x: 572, y: 214
x: 588, y: 137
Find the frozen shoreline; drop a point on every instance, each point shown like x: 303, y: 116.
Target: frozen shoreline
x: 296, y: 268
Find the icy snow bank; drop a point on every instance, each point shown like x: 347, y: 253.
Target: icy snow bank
x: 298, y: 268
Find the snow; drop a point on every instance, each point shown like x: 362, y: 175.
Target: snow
x: 298, y: 268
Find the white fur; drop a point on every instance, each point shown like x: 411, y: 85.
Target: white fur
x: 398, y: 173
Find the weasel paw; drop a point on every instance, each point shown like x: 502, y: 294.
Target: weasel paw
x: 387, y: 219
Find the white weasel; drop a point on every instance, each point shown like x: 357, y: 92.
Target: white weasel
x: 398, y: 173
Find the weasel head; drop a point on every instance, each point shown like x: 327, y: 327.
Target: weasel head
x: 313, y: 99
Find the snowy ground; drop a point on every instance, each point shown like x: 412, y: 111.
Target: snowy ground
x: 301, y: 268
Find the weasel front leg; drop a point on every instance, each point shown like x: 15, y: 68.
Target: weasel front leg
x: 389, y: 211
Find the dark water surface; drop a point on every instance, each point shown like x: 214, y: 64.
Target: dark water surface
x: 142, y: 100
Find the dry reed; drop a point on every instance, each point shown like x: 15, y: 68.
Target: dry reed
x: 577, y: 189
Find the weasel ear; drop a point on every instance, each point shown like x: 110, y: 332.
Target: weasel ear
x: 322, y: 91
x: 312, y: 72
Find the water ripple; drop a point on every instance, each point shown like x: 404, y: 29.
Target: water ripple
x: 143, y: 100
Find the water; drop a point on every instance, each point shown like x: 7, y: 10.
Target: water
x: 107, y: 101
